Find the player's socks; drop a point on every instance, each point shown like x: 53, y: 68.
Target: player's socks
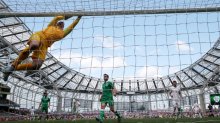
x: 117, y: 114
x: 101, y: 115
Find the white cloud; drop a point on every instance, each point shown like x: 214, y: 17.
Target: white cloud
x: 89, y: 61
x: 113, y: 62
x: 148, y: 72
x: 183, y: 46
x: 108, y: 42
x: 173, y: 70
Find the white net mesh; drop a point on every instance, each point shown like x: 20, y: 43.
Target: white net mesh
x: 133, y: 49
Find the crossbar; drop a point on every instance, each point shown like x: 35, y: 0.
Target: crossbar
x: 109, y: 13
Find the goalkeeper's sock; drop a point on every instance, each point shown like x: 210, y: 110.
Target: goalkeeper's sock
x: 101, y: 114
x: 28, y: 66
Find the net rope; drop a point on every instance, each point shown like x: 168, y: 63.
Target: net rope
x: 132, y: 48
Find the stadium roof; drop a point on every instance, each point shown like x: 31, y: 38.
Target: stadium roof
x: 53, y: 74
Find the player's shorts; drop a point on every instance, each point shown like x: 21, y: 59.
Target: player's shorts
x: 196, y: 110
x: 176, y: 103
x: 41, y: 52
x: 76, y: 110
x: 109, y: 102
x: 44, y: 109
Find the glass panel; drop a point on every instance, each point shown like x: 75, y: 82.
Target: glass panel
x: 9, y: 21
x: 12, y: 39
x: 85, y: 81
x: 142, y: 86
x: 216, y: 53
x: 188, y: 83
x: 5, y: 31
x: 77, y: 78
x: 19, y: 46
x: 159, y: 84
x: 210, y: 58
x: 134, y: 86
x: 16, y: 28
x: 92, y: 83
x: 47, y: 63
x: 151, y: 85
x: 23, y: 36
x: 68, y: 76
x: 71, y: 85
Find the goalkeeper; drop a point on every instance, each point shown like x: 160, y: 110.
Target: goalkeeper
x: 108, y: 90
x: 38, y: 44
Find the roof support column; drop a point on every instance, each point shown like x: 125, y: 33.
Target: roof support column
x: 59, y: 102
x: 202, y: 100
x: 130, y: 105
x: 149, y: 102
x: 149, y: 97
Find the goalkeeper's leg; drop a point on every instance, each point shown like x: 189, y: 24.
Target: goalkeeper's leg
x: 38, y: 56
x: 33, y: 45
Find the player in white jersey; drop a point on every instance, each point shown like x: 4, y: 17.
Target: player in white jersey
x: 76, y: 108
x: 32, y: 113
x: 176, y: 96
x: 196, y: 111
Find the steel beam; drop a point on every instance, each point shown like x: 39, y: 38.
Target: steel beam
x: 138, y: 85
x: 190, y: 78
x: 180, y: 80
x: 70, y: 79
x: 199, y: 74
x: 205, y: 60
x: 88, y: 83
x: 205, y: 67
x: 80, y: 82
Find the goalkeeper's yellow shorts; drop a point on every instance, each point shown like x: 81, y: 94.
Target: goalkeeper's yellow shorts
x: 41, y: 52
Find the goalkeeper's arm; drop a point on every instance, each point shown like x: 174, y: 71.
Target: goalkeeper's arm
x: 55, y: 20
x: 71, y: 27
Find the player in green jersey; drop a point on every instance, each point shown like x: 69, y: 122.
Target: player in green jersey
x: 45, y: 104
x: 108, y: 90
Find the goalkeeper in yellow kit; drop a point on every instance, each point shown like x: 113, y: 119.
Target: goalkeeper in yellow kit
x: 38, y: 44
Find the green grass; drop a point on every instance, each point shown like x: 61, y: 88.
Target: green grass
x: 152, y: 120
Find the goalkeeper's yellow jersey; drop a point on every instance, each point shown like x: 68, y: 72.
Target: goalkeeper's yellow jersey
x: 52, y: 34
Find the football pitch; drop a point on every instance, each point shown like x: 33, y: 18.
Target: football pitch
x: 151, y: 120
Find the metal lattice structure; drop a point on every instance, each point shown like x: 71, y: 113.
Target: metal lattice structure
x: 59, y: 79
